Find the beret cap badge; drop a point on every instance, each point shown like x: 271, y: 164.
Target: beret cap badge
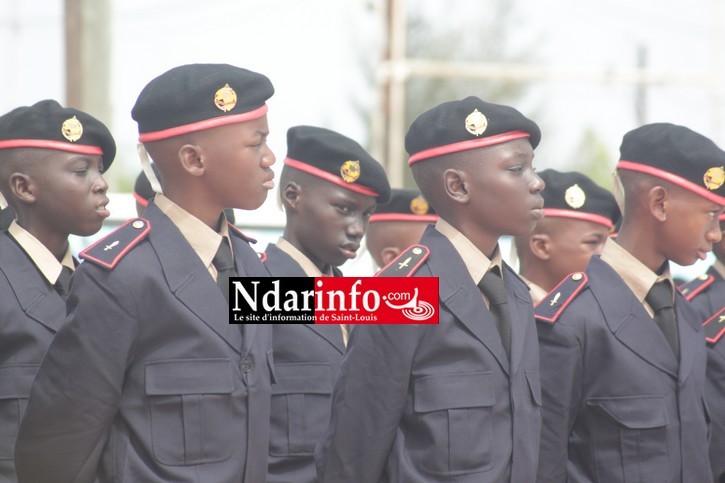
x: 225, y: 98
x: 714, y: 177
x: 350, y: 171
x: 476, y: 123
x: 419, y: 205
x: 575, y: 196
x: 72, y: 129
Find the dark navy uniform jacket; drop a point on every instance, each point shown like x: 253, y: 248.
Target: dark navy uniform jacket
x: 307, y: 358
x: 708, y: 302
x: 439, y: 403
x: 31, y: 312
x: 617, y: 405
x: 147, y: 381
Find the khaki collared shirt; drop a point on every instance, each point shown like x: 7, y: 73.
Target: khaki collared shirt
x: 537, y: 293
x: 310, y: 270
x: 48, y: 265
x: 308, y: 267
x: 635, y: 274
x: 476, y: 262
x: 202, y: 239
x: 719, y: 267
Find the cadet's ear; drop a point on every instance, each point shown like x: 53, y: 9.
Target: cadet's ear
x: 455, y: 182
x: 291, y: 194
x: 657, y: 202
x: 23, y: 188
x: 191, y: 159
x: 388, y: 254
x: 540, y: 245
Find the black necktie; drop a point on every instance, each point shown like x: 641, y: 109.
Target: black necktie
x: 63, y: 283
x: 224, y: 263
x: 493, y: 287
x: 660, y: 299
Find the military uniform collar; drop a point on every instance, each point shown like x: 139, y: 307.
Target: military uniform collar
x: 476, y: 262
x: 48, y: 265
x: 305, y: 263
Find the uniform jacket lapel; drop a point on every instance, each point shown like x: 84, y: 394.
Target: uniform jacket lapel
x: 37, y: 298
x: 461, y: 295
x: 522, y: 319
x: 690, y: 335
x: 188, y: 279
x: 628, y: 320
x: 280, y: 264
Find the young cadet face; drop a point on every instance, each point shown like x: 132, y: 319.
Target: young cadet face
x: 332, y: 221
x: 239, y: 170
x: 506, y: 189
x: 691, y: 227
x: 71, y: 195
x: 572, y: 244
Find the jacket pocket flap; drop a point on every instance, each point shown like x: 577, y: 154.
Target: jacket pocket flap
x: 189, y: 376
x: 16, y: 380
x: 302, y: 377
x: 534, y: 380
x: 453, y: 391
x: 641, y: 412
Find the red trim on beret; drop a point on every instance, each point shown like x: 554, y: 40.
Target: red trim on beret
x: 402, y: 217
x: 578, y: 215
x: 307, y: 168
x: 202, y: 125
x: 140, y: 199
x: 672, y: 178
x: 466, y: 145
x: 48, y: 144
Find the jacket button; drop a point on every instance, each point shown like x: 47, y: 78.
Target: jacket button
x: 245, y: 366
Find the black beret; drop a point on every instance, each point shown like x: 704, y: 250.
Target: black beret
x: 574, y: 195
x: 676, y: 154
x: 195, y: 97
x: 468, y: 124
x: 48, y: 125
x: 142, y: 189
x: 404, y: 205
x: 337, y: 159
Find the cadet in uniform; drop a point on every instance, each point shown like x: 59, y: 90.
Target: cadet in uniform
x: 458, y: 401
x: 147, y: 380
x: 48, y: 153
x: 622, y: 358
x: 707, y: 295
x: 578, y: 217
x: 329, y: 187
x: 398, y: 224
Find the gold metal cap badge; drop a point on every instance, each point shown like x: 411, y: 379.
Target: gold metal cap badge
x: 575, y: 196
x: 714, y: 177
x: 72, y: 129
x: 419, y: 205
x: 350, y: 171
x: 225, y: 98
x: 476, y: 123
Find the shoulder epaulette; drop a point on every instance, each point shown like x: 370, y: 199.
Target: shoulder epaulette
x: 550, y: 307
x: 236, y: 231
x: 109, y: 250
x: 262, y: 256
x: 715, y: 327
x: 407, y: 263
x: 694, y: 287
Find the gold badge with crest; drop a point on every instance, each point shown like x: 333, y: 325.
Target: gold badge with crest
x: 714, y: 177
x: 476, y: 123
x: 575, y: 196
x: 350, y: 171
x: 419, y: 206
x: 225, y: 98
x: 72, y: 129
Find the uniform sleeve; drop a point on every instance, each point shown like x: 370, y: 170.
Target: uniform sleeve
x: 76, y: 392
x: 368, y: 402
x: 715, y: 398
x: 561, y: 381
